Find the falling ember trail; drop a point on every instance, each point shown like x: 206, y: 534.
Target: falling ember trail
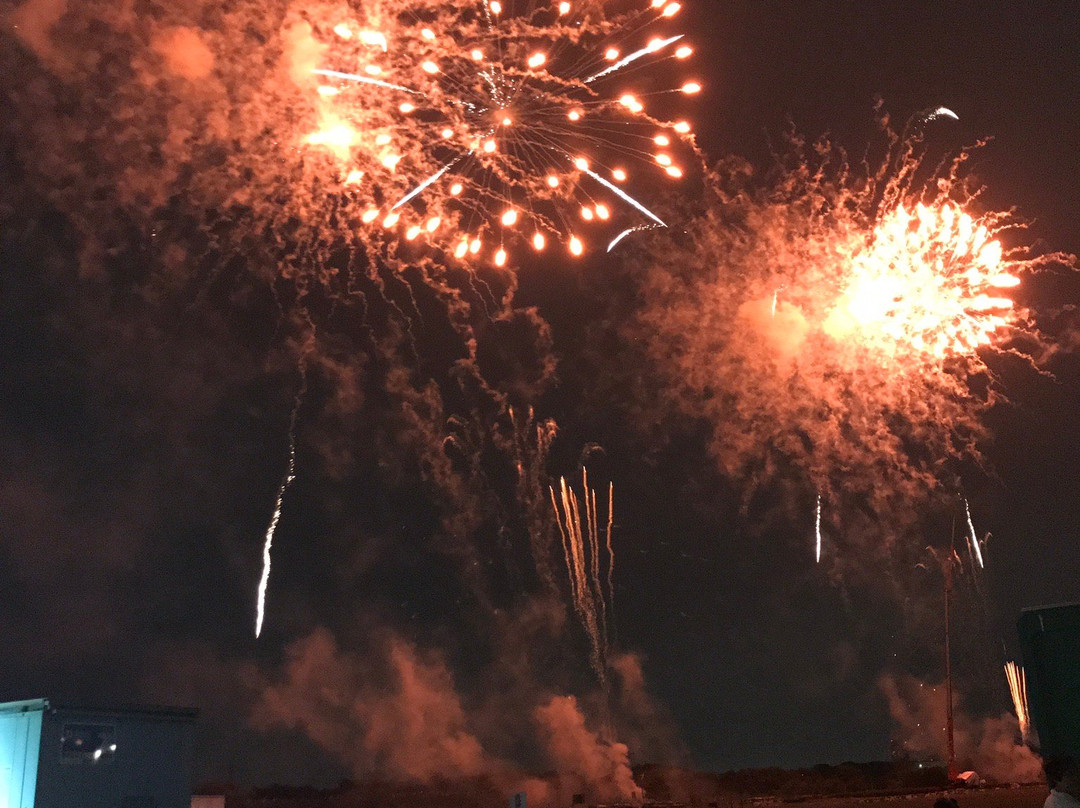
x: 1018, y: 690
x: 290, y: 475
x: 580, y: 536
x: 817, y: 531
x: 972, y: 537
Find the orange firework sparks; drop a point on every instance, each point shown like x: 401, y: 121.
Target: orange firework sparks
x: 928, y: 282
x: 1018, y: 691
x: 473, y: 109
x: 837, y: 322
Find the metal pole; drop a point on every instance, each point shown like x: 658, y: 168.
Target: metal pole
x: 950, y: 747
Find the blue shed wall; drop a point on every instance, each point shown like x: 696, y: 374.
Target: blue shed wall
x: 150, y: 768
x: 20, y: 739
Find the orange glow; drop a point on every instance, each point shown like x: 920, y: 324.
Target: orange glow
x: 602, y: 212
x: 671, y: 9
x: 564, y: 8
x: 576, y: 247
x: 456, y: 189
x: 433, y: 224
x: 538, y: 241
x: 611, y: 54
x: 391, y: 219
x: 328, y: 92
x: 618, y: 175
x: 684, y: 52
x: 552, y: 181
x: 500, y: 257
x: 343, y: 31
x: 691, y: 88
x: 430, y: 67
x: 370, y: 215
x: 537, y: 59
x: 587, y: 214
x: 509, y: 218
x: 682, y: 127
x: 354, y: 176
x: 412, y: 232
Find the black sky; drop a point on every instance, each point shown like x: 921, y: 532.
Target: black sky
x: 142, y: 442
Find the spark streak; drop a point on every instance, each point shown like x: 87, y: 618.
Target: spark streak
x: 629, y: 232
x: 419, y: 189
x: 972, y: 537
x: 625, y: 197
x: 817, y: 531
x: 580, y: 534
x: 1018, y: 691
x: 290, y: 475
x: 356, y: 77
x: 633, y: 57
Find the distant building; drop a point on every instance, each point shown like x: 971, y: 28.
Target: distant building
x: 63, y: 756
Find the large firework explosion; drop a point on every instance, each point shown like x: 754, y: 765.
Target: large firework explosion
x: 833, y: 321
x: 505, y: 121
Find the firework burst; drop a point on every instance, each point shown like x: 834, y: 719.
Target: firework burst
x: 506, y: 122
x: 838, y: 321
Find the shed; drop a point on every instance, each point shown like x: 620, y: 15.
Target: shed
x: 55, y: 755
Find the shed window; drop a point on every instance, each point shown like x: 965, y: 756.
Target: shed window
x: 88, y: 743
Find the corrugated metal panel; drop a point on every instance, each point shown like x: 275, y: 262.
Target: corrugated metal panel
x: 20, y: 741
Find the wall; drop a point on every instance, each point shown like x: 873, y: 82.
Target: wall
x: 150, y: 767
x: 20, y: 733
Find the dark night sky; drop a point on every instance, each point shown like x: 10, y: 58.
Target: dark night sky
x: 143, y: 438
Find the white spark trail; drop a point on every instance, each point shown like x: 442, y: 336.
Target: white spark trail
x: 269, y: 541
x: 337, y: 74
x: 419, y: 189
x: 971, y: 532
x: 942, y: 112
x: 633, y: 57
x: 817, y: 531
x: 290, y: 475
x: 628, y: 232
x: 1018, y: 691
x: 619, y: 192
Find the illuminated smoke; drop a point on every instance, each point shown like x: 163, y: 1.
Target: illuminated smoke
x: 580, y: 534
x: 485, y: 123
x: 1018, y: 691
x: 987, y: 745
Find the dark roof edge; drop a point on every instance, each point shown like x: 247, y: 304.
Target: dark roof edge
x: 162, y: 711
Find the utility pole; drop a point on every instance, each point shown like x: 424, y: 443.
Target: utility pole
x: 947, y: 570
x: 947, y: 559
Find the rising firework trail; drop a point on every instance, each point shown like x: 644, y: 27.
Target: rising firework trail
x: 580, y: 533
x: 286, y: 481
x: 499, y: 121
x: 1018, y: 691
